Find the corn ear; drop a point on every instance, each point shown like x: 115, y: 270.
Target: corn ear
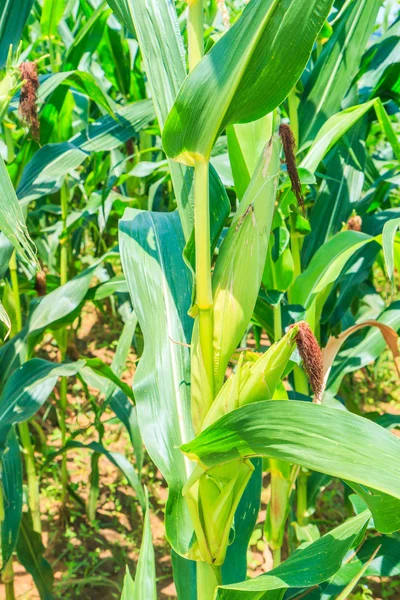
x: 212, y: 502
x: 240, y: 264
x: 253, y: 382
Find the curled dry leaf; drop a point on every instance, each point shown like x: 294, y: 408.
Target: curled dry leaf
x: 335, y: 343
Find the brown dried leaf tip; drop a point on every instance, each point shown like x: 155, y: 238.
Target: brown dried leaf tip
x: 27, y: 102
x: 311, y: 356
x: 289, y: 145
x: 354, y: 223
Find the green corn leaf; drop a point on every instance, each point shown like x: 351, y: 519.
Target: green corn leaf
x: 256, y: 69
x: 385, y: 563
x: 27, y: 389
x: 100, y: 367
x: 12, y: 222
x: 30, y: 551
x: 52, y: 13
x: 246, y: 143
x: 316, y: 437
x: 336, y: 66
x: 5, y: 319
x: 388, y: 237
x: 11, y: 488
x: 87, y: 39
x: 380, y: 63
x: 145, y: 576
x: 116, y: 458
x: 160, y: 284
x: 129, y: 585
x: 385, y: 509
x: 326, y: 265
x: 387, y: 127
x: 340, y: 192
x: 150, y: 21
x: 332, y: 130
x: 13, y: 16
x: 44, y: 173
x: 307, y: 567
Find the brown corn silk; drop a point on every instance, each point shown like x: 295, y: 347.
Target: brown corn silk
x: 311, y: 355
x: 28, y: 98
x: 289, y: 145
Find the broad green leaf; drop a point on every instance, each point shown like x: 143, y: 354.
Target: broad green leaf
x: 331, y: 131
x: 52, y: 13
x: 27, y: 389
x: 145, y: 576
x: 339, y: 192
x: 11, y: 488
x: 308, y: 566
x: 116, y: 458
x: 61, y: 302
x: 119, y: 403
x: 102, y: 369
x: 326, y: 265
x: 5, y: 319
x: 336, y: 66
x: 44, y: 173
x: 13, y: 16
x: 385, y: 509
x: 380, y: 62
x: 87, y: 39
x: 245, y: 144
x: 387, y: 127
x: 313, y: 436
x: 30, y: 551
x: 150, y: 21
x: 12, y: 222
x: 184, y: 571
x: 160, y: 285
x: 256, y: 69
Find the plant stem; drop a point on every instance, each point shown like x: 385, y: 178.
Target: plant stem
x: 204, y: 296
x: 302, y: 503
x: 64, y: 343
x: 94, y: 487
x: 277, y: 322
x: 277, y: 503
x: 8, y: 580
x: 15, y: 289
x: 208, y: 578
x: 195, y: 32
x: 295, y: 246
x: 33, y: 486
x: 276, y: 556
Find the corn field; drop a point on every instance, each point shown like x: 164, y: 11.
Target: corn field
x: 199, y: 304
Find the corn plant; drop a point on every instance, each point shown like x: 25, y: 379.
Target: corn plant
x: 243, y: 78
x: 250, y: 154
